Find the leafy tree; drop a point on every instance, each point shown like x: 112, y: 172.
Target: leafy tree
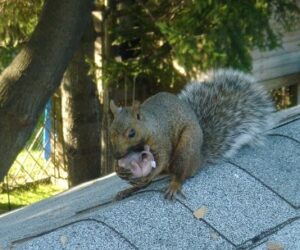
x: 35, y: 73
x: 80, y: 101
x: 17, y: 21
x: 154, y: 36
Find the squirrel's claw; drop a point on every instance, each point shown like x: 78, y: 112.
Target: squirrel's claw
x: 126, y: 192
x: 123, y: 194
x: 173, y: 190
x: 129, y: 191
x: 120, y: 196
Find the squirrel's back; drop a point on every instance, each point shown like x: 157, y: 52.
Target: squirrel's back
x: 232, y: 110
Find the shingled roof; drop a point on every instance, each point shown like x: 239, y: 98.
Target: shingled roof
x: 249, y: 202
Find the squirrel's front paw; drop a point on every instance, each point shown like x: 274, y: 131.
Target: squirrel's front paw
x: 123, y: 173
x: 139, y: 181
x: 122, y: 195
x: 173, y: 190
x: 129, y: 191
x: 126, y: 193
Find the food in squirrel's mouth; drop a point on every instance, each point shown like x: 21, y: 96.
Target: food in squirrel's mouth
x: 139, y: 163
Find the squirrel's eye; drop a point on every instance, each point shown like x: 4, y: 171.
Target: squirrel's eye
x: 131, y: 133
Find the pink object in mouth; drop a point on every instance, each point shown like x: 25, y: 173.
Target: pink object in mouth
x: 139, y: 163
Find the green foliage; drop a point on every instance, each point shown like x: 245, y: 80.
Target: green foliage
x: 17, y: 21
x: 195, y: 34
x: 6, y: 56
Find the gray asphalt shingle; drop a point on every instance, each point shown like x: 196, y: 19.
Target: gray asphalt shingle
x: 238, y: 205
x: 151, y: 222
x: 291, y: 129
x: 288, y: 238
x: 276, y: 165
x: 81, y: 235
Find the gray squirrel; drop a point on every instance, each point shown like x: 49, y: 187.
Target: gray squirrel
x: 208, y: 121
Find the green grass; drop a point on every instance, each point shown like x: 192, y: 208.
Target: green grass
x: 24, y: 196
x: 34, y: 167
x: 26, y: 180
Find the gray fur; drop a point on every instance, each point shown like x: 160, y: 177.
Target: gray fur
x: 232, y: 109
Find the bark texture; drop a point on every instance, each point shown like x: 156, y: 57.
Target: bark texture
x: 80, y: 113
x: 30, y: 80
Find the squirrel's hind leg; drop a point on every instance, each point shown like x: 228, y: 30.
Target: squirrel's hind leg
x: 186, y: 159
x: 174, y: 189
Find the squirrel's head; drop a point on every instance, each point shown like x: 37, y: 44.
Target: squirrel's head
x: 127, y: 132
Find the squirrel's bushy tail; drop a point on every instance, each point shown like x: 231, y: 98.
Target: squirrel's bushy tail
x: 233, y: 110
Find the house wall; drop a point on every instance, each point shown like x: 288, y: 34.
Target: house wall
x: 279, y: 62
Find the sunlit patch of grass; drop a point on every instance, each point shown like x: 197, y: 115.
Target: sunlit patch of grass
x: 29, y: 167
x: 24, y: 196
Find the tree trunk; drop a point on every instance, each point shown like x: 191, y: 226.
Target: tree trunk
x: 106, y: 47
x: 80, y: 112
x: 30, y: 80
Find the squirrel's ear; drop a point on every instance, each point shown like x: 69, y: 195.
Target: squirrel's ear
x: 136, y: 108
x: 114, y: 108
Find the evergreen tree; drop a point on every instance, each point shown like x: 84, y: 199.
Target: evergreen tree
x: 153, y: 37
